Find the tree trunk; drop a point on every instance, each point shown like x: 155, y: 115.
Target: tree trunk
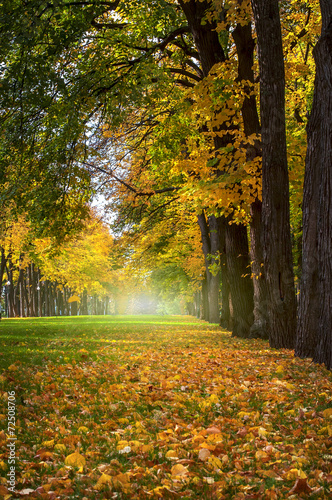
x: 225, y: 313
x: 205, y: 300
x: 260, y: 328
x: 22, y: 289
x: 245, y: 50
x: 84, y: 306
x: 39, y: 295
x: 314, y: 335
x: 275, y: 195
x: 210, y: 53
x: 210, y: 245
x: 46, y: 298
x: 240, y: 282
x: 2, y: 268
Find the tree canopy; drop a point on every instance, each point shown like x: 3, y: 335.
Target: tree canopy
x: 159, y: 108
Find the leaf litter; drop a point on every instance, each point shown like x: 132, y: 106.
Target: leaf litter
x: 169, y: 411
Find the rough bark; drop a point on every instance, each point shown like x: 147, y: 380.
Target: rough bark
x: 260, y: 328
x: 314, y: 335
x: 245, y: 51
x: 240, y: 282
x: 275, y: 197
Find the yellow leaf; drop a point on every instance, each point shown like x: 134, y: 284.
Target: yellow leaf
x: 262, y: 433
x: 171, y: 454
x: 104, y: 479
x: 295, y: 474
x: 121, y: 445
x: 260, y: 455
x: 75, y: 459
x: 215, y: 462
x: 214, y: 398
x: 146, y: 447
x: 48, y: 444
x: 179, y: 470
x: 327, y: 413
x: 83, y: 429
x: 61, y: 448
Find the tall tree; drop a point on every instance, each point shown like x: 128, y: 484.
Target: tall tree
x: 211, y: 53
x: 314, y: 337
x: 275, y: 195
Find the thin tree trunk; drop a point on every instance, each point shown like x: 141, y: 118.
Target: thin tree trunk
x: 314, y: 335
x: 210, y: 246
x: 225, y: 313
x: 39, y: 295
x: 24, y: 301
x: 85, y: 302
x: 205, y: 300
x: 2, y: 267
x: 47, y: 298
x: 275, y: 195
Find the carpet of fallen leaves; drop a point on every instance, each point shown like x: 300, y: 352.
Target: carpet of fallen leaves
x: 174, y: 409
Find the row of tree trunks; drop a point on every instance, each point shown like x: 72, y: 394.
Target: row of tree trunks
x: 30, y: 295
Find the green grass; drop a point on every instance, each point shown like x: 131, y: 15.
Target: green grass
x: 39, y: 340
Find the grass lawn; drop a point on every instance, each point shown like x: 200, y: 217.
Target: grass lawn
x: 135, y: 407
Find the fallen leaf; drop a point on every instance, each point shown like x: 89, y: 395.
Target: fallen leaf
x: 179, y: 470
x: 213, y: 430
x: 203, y: 454
x: 75, y: 459
x: 301, y: 486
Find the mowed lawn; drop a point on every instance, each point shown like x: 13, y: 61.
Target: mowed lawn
x: 160, y: 407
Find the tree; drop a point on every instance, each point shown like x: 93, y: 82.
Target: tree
x: 275, y: 195
x: 314, y: 336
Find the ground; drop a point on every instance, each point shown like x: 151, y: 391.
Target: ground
x: 158, y: 407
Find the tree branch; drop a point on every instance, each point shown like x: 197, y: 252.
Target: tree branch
x: 128, y: 186
x: 183, y: 72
